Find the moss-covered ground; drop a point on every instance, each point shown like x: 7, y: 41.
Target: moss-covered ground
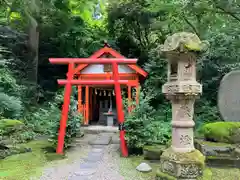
x: 22, y: 166
x: 127, y: 167
x: 209, y: 173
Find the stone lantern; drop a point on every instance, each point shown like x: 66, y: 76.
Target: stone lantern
x: 182, y: 160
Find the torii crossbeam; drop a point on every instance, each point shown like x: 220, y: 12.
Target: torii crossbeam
x: 71, y: 81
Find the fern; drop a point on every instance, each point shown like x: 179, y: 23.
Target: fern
x: 10, y: 106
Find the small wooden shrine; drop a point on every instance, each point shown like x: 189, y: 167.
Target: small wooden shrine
x: 94, y: 101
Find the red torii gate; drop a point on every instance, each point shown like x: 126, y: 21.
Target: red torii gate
x: 71, y: 81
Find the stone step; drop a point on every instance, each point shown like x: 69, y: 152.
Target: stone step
x: 99, y: 129
x: 115, y: 140
x: 103, y: 139
x: 80, y: 134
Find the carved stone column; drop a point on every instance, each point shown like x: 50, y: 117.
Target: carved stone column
x: 182, y: 160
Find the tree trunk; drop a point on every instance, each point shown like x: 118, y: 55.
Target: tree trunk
x: 33, y: 44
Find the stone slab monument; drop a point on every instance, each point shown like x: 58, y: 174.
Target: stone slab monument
x: 229, y: 97
x: 182, y: 161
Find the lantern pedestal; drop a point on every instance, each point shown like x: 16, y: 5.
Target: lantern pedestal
x: 180, y: 166
x: 182, y: 161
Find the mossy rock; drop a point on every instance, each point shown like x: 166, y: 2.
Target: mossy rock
x: 11, y: 150
x: 7, y: 126
x: 9, y: 123
x: 226, y: 132
x: 153, y: 152
x: 215, y: 148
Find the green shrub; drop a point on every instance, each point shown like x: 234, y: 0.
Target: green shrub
x: 10, y: 95
x: 205, y: 113
x: 15, y: 131
x: 73, y: 123
x: 8, y: 83
x: 220, y: 131
x: 146, y: 126
x: 10, y: 106
x: 8, y: 126
x: 44, y: 118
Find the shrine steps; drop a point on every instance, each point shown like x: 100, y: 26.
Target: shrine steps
x: 96, y: 129
x: 97, y: 135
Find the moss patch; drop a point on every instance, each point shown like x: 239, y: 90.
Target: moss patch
x: 127, y: 167
x: 9, y: 123
x: 22, y: 166
x: 154, y: 148
x: 224, y: 174
x: 163, y: 176
x: 220, y: 131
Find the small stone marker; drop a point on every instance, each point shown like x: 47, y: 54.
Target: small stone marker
x: 229, y: 97
x: 143, y: 167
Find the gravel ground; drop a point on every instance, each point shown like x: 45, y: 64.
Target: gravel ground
x: 61, y: 170
x: 109, y: 168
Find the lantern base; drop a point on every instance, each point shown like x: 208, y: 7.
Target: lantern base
x: 181, y: 166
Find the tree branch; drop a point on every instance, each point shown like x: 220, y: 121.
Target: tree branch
x: 229, y: 13
x: 5, y: 2
x: 190, y: 24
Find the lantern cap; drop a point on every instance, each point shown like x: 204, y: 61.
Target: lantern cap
x: 184, y: 40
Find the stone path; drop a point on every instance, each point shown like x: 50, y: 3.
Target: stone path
x: 91, y: 163
x: 89, y: 167
x: 95, y: 157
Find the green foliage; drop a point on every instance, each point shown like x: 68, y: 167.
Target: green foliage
x: 10, y: 101
x: 46, y: 120
x: 14, y: 131
x: 10, y: 106
x: 205, y: 112
x: 8, y: 83
x: 73, y: 124
x: 9, y: 126
x: 144, y: 125
x: 140, y: 26
x: 43, y: 119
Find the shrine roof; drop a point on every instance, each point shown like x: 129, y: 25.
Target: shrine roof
x: 108, y: 50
